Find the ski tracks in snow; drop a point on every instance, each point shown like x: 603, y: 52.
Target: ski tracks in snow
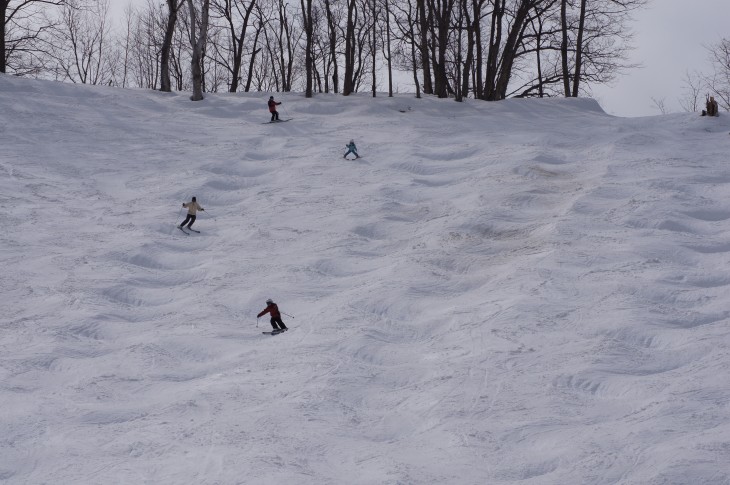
x: 492, y: 294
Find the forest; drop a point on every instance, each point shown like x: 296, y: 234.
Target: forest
x: 483, y: 49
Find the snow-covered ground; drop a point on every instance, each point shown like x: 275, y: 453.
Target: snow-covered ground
x: 528, y: 291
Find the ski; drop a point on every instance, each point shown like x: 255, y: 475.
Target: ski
x: 191, y: 229
x: 183, y: 230
x: 277, y: 121
x: 274, y: 332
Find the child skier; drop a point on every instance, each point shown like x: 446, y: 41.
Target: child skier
x: 273, y: 309
x: 272, y: 109
x: 192, y: 207
x: 351, y: 148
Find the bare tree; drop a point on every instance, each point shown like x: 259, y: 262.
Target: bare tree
x: 236, y: 15
x: 564, y: 46
x: 406, y: 19
x: 595, y: 38
x: 505, y: 51
x: 719, y: 81
x: 144, y: 63
x: 441, y: 11
x: 198, y: 36
x: 350, y: 48
x: 387, y: 46
x: 287, y: 39
x: 23, y: 25
x: 80, y: 45
x: 173, y: 6
x: 693, y: 83
x: 374, y: 46
x: 332, y: 43
x: 129, y: 15
x: 309, y: 44
x: 424, y: 21
x: 255, y: 49
x: 358, y: 40
x: 660, y: 104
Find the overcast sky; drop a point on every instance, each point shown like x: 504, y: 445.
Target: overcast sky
x: 670, y: 36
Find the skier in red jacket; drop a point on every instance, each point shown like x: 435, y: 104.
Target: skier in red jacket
x: 273, y: 309
x: 272, y: 109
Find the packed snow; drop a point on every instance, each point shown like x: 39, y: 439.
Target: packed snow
x: 527, y: 291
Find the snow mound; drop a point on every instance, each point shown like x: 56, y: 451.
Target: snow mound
x: 522, y: 291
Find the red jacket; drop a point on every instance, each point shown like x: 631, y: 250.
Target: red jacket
x: 272, y: 308
x: 272, y: 105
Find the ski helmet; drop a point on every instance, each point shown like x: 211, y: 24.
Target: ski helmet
x: 271, y: 97
x: 269, y: 301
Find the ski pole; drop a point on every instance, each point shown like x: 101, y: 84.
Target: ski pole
x: 287, y: 315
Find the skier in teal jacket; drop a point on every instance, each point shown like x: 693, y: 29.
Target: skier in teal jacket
x: 351, y: 148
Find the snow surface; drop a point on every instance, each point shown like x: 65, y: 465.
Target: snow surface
x: 528, y: 291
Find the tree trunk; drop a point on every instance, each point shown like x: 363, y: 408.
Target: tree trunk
x: 495, y: 39
x: 564, y: 47
x: 172, y: 8
x: 579, y: 49
x: 538, y: 49
x: 238, y: 42
x: 198, y: 44
x: 415, y: 71
x: 332, y: 33
x: 458, y: 96
x: 252, y: 61
x: 477, y: 15
x: 387, y: 41
x: 374, y: 48
x: 307, y: 18
x: 470, y: 27
x: 3, y: 32
x: 441, y: 10
x: 515, y: 37
x: 423, y: 48
x: 349, y: 86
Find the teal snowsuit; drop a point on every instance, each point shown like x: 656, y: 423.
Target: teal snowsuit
x: 351, y: 148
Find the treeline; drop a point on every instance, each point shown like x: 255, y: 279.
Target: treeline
x: 484, y: 49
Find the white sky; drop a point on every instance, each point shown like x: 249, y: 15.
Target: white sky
x: 670, y: 39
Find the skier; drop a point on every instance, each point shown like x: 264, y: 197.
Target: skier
x: 272, y: 109
x: 273, y: 309
x: 192, y: 207
x: 351, y: 148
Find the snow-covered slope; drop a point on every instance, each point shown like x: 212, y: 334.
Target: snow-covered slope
x: 528, y: 291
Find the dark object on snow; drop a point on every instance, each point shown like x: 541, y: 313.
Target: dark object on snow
x: 711, y: 105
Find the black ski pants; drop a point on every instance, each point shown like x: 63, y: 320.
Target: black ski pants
x: 275, y: 320
x: 274, y: 115
x: 190, y: 218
